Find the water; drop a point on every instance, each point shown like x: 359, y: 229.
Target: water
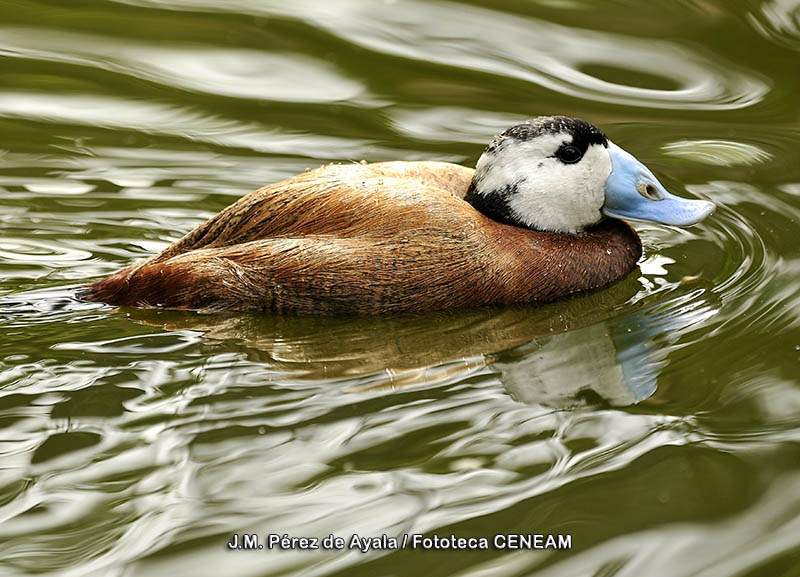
x: 655, y: 422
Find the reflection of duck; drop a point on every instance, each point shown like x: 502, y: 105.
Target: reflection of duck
x: 528, y: 225
x: 562, y: 355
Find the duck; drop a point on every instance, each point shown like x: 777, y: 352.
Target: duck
x: 541, y: 218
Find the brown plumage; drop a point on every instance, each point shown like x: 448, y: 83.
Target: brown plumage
x: 369, y: 239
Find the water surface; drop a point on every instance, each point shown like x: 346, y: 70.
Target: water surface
x: 655, y: 422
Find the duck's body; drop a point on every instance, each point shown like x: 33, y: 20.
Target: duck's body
x: 375, y: 239
x: 369, y: 239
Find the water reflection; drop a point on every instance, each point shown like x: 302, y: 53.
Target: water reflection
x: 559, y: 355
x: 617, y: 360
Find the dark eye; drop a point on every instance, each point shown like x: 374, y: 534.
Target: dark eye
x: 568, y: 154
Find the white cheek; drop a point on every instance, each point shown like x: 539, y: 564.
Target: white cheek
x: 563, y: 197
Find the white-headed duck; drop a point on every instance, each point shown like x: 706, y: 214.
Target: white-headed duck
x: 536, y: 221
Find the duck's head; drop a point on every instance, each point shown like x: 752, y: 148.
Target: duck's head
x: 560, y: 174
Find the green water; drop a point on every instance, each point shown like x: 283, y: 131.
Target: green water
x: 656, y: 422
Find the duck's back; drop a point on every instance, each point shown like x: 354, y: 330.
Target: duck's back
x: 346, y: 200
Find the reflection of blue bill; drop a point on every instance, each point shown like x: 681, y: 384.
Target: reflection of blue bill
x: 619, y: 359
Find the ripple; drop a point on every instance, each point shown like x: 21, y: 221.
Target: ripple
x: 251, y: 74
x: 60, y: 444
x: 44, y: 306
x: 750, y: 265
x: 718, y: 152
x: 135, y: 345
x: 30, y: 250
x: 169, y: 120
x: 239, y: 73
x: 186, y: 171
x: 555, y: 57
x: 59, y: 187
x: 779, y: 21
x: 739, y: 546
x: 451, y: 123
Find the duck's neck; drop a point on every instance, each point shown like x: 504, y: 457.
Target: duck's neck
x: 493, y: 204
x: 546, y: 266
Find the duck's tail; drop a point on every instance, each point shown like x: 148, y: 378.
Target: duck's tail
x: 147, y: 286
